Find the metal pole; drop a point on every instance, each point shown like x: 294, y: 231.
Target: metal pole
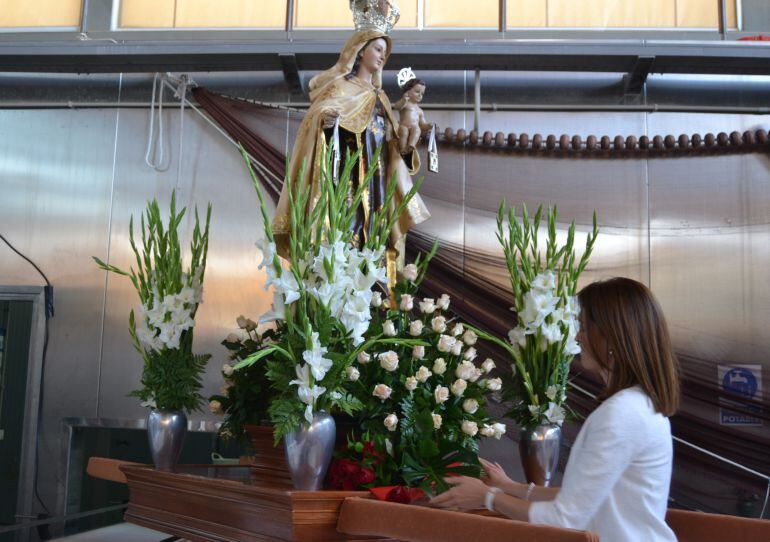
x: 477, y: 101
x: 84, y: 17
x: 290, y: 17
x: 722, y: 19
x: 503, y: 16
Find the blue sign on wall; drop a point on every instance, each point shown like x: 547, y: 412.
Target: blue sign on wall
x: 745, y: 381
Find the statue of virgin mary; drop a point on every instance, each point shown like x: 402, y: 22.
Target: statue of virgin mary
x: 347, y: 101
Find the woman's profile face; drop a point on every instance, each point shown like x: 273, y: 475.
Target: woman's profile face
x: 373, y: 55
x: 587, y: 360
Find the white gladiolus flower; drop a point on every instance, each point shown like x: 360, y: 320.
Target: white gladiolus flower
x: 469, y: 337
x: 494, y: 384
x: 545, y: 281
x: 459, y: 386
x: 534, y: 409
x: 470, y: 354
x: 376, y: 299
x: 422, y: 374
x: 551, y: 333
x: 470, y: 406
x: 518, y: 337
x: 215, y: 407
x: 391, y: 422
x: 441, y: 394
x: 488, y: 365
x: 388, y: 328
x: 495, y: 430
x: 241, y: 321
x: 458, y: 329
x: 306, y: 393
x: 353, y: 373
x: 572, y: 347
x: 470, y: 428
x: 411, y: 383
x: 363, y: 358
x: 418, y: 352
x: 410, y: 272
x: 550, y: 392
x: 445, y: 343
x: 427, y: 306
x: 457, y: 348
x: 465, y: 370
x: 227, y: 369
x: 232, y: 338
x: 537, y: 306
x: 415, y: 328
x: 319, y: 365
x: 438, y: 324
x: 407, y: 303
x: 439, y: 366
x: 388, y: 360
x: 554, y: 414
x: 443, y: 302
x: 382, y: 392
x: 437, y: 421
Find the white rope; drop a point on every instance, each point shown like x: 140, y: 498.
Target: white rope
x: 698, y: 448
x: 764, y: 506
x: 152, y: 143
x: 181, y: 93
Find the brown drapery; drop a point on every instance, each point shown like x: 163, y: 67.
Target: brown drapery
x: 485, y: 304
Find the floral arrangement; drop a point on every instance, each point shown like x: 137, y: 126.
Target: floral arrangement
x: 424, y: 405
x: 246, y: 395
x: 162, y: 327
x: 543, y: 342
x: 323, y: 296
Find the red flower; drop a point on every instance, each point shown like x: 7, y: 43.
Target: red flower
x: 399, y: 494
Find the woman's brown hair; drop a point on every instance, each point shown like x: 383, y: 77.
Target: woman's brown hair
x: 625, y: 313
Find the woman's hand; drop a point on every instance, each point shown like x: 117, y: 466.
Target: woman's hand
x: 495, y: 475
x: 467, y: 493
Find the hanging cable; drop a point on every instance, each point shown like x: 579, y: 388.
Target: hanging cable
x: 181, y: 94
x: 152, y: 143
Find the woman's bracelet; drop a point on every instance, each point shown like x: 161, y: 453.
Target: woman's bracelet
x: 530, y: 489
x: 489, y: 498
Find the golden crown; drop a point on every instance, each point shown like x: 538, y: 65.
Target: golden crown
x: 379, y: 15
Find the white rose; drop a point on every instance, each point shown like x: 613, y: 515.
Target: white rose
x: 465, y: 370
x: 470, y: 406
x: 418, y: 352
x: 445, y: 343
x: 376, y: 299
x: 443, y: 302
x: 470, y: 354
x: 437, y: 421
x: 438, y: 324
x: 241, y: 321
x: 470, y: 428
x: 415, y: 328
x: 487, y: 430
x: 439, y: 366
x: 550, y: 392
x: 233, y: 338
x: 457, y: 348
x: 411, y: 383
x: 422, y: 374
x: 427, y: 306
x: 391, y: 422
x: 499, y: 429
x: 441, y: 394
x: 476, y: 374
x: 363, y: 358
x: 388, y: 328
x: 469, y: 337
x: 407, y: 302
x: 488, y: 365
x: 410, y: 272
x: 227, y: 370
x: 458, y: 387
x: 494, y: 384
x: 458, y: 329
x: 388, y: 360
x: 353, y: 373
x: 251, y: 325
x: 381, y: 392
x: 215, y: 407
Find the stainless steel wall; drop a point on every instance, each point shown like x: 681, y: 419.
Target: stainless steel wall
x: 695, y: 229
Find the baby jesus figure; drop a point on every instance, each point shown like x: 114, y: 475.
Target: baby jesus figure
x: 412, y: 122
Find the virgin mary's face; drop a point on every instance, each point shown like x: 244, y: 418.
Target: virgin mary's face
x: 373, y: 55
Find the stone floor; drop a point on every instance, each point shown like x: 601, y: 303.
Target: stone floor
x: 121, y: 532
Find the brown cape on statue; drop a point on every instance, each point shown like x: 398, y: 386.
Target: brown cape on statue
x: 365, y: 121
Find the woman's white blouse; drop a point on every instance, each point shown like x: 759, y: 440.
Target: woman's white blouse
x: 618, y: 474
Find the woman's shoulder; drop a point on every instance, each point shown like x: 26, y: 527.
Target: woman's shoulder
x: 630, y: 405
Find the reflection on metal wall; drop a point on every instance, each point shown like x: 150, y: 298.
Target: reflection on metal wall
x: 696, y: 229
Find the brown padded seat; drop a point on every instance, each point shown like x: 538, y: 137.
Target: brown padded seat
x: 421, y: 524
x: 701, y: 527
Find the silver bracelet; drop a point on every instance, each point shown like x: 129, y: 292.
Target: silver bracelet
x: 489, y: 498
x: 530, y: 489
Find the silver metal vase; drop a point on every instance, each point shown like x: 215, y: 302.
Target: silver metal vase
x: 309, y: 451
x: 539, y: 448
x: 166, y: 430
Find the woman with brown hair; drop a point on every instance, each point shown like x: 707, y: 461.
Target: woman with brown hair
x: 618, y: 474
